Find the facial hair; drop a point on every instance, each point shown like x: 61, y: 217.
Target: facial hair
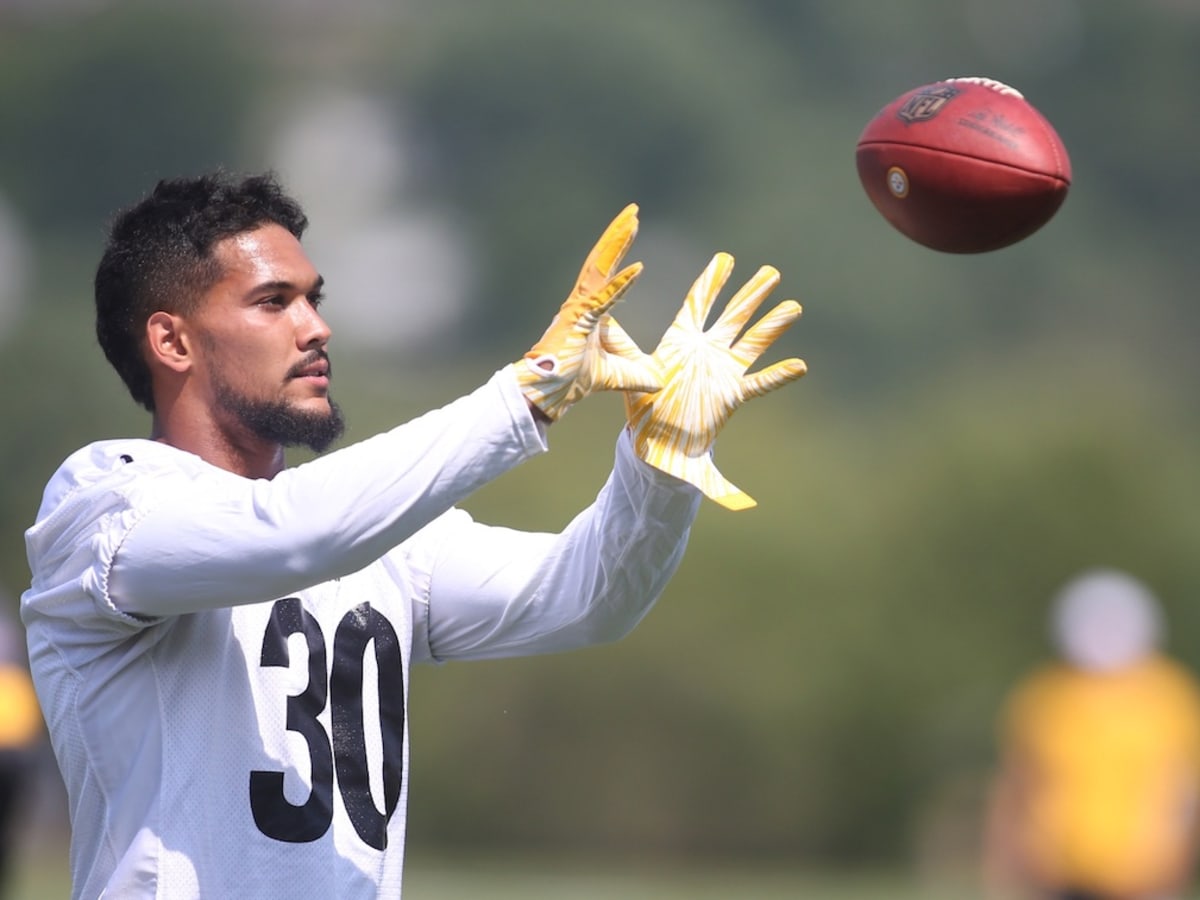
x: 281, y: 423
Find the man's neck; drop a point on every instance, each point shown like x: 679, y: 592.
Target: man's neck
x: 244, y: 455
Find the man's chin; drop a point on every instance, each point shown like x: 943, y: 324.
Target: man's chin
x: 313, y: 425
x: 313, y: 406
x: 318, y: 428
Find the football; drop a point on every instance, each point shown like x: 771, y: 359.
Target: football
x: 964, y: 165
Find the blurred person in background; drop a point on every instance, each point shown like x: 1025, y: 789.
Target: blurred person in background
x: 21, y: 735
x: 1096, y: 794
x: 222, y: 644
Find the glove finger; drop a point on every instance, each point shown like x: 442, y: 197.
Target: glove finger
x: 597, y: 305
x: 763, y: 333
x: 613, y: 244
x: 744, y: 304
x: 699, y: 301
x: 615, y: 290
x: 585, y: 312
x: 701, y: 472
x: 772, y: 377
x: 617, y: 341
x: 621, y: 363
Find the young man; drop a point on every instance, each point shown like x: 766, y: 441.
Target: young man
x: 221, y: 645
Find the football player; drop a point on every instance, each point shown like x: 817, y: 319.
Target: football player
x: 222, y: 644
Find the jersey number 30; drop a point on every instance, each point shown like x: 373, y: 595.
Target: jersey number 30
x: 345, y: 751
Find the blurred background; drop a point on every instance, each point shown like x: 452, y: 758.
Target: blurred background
x: 817, y: 691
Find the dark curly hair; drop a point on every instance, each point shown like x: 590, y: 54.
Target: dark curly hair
x: 159, y: 256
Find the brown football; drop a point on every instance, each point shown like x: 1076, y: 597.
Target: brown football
x: 964, y: 165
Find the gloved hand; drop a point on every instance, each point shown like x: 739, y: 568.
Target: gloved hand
x: 705, y: 380
x: 573, y: 358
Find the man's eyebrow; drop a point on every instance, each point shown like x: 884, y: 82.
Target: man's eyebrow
x: 288, y: 286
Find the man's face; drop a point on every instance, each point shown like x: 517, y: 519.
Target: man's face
x: 262, y: 344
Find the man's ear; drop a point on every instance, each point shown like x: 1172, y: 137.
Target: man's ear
x: 167, y: 342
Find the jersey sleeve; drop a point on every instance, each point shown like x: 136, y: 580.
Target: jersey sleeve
x: 155, y: 538
x: 493, y: 592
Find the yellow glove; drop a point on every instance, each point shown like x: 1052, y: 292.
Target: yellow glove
x: 705, y: 379
x: 573, y: 358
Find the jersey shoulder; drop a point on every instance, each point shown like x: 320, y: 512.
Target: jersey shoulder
x: 101, y: 483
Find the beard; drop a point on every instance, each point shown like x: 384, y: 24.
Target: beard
x: 281, y: 423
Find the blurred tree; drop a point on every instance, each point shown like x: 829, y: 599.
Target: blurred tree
x: 100, y: 106
x: 543, y: 123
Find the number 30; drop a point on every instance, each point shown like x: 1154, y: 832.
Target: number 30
x: 275, y: 815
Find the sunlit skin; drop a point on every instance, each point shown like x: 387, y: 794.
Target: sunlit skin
x: 258, y: 332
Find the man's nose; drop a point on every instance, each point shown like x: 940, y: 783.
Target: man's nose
x: 312, y: 330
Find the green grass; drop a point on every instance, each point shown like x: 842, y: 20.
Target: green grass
x: 42, y: 875
x: 496, y: 881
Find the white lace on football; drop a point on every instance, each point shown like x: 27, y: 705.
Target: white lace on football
x: 992, y: 83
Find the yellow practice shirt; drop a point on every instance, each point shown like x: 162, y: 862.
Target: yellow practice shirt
x: 20, y: 715
x: 1112, y: 762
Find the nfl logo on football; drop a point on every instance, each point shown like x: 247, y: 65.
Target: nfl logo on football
x: 927, y: 103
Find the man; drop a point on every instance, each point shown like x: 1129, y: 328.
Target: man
x: 221, y: 645
x: 1096, y: 796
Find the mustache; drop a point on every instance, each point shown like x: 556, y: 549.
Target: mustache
x: 311, y: 359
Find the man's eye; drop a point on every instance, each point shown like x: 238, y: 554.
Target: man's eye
x: 316, y: 300
x: 274, y: 300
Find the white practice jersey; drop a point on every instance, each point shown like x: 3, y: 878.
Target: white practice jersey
x: 223, y: 662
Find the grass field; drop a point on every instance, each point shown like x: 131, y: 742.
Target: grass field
x: 472, y: 880
x: 42, y: 876
x: 505, y: 882
x: 40, y: 872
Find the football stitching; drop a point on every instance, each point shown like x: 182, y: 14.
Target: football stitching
x: 1057, y: 175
